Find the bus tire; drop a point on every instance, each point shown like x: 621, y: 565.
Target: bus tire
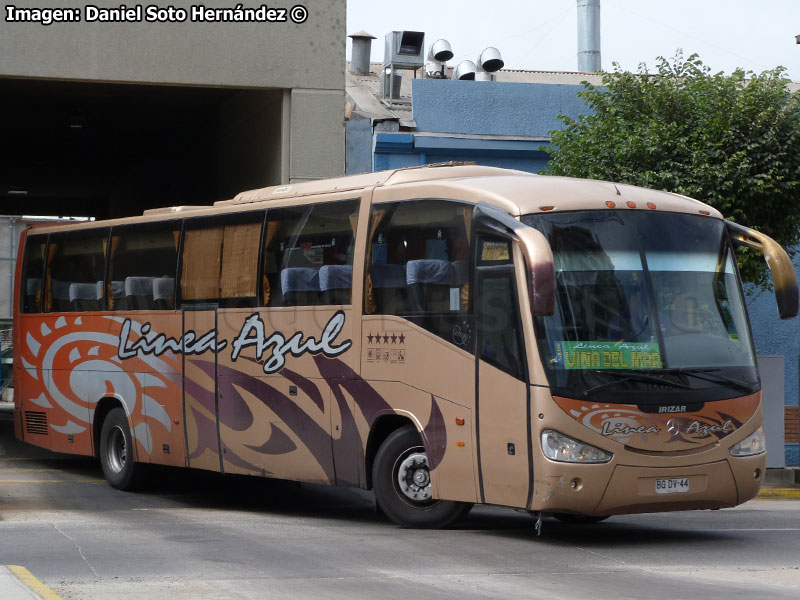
x: 401, y: 480
x: 116, y: 453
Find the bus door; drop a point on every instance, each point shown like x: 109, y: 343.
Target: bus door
x: 503, y: 403
x: 200, y: 390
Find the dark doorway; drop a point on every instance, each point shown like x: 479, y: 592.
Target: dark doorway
x: 110, y: 150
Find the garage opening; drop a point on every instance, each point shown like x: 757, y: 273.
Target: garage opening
x: 108, y: 150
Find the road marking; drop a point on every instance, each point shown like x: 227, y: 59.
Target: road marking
x: 29, y: 470
x: 759, y: 529
x: 779, y: 493
x: 36, y: 586
x: 50, y: 481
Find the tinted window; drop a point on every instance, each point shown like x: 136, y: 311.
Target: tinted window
x: 75, y: 271
x: 220, y: 260
x: 308, y: 254
x: 32, y: 267
x: 418, y: 259
x: 141, y: 268
x: 499, y: 339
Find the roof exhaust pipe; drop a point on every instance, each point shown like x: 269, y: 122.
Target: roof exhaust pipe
x: 589, y: 36
x: 362, y: 48
x: 464, y: 71
x: 488, y: 63
x: 438, y: 55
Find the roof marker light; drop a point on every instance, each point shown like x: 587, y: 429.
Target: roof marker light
x: 631, y: 204
x: 651, y: 206
x: 546, y: 208
x: 705, y: 212
x: 610, y: 204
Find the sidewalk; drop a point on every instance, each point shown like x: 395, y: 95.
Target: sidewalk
x: 781, y: 483
x: 17, y: 583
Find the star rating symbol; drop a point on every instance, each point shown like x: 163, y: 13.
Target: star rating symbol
x: 378, y: 339
x: 386, y: 338
x: 394, y: 338
x: 402, y: 338
x: 370, y: 337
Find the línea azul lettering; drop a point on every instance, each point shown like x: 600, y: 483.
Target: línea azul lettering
x: 157, y: 345
x: 253, y: 334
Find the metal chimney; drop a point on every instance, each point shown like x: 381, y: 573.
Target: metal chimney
x: 362, y: 47
x: 589, y: 36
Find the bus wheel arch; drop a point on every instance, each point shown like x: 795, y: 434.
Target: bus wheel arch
x: 402, y: 485
x: 384, y: 426
x: 104, y: 406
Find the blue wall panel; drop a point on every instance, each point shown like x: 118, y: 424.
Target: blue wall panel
x: 493, y: 108
x: 358, y: 146
x: 771, y: 335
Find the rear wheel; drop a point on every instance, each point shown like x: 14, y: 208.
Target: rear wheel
x: 116, y: 453
x: 402, y: 482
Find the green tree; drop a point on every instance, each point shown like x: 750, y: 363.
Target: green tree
x: 730, y: 141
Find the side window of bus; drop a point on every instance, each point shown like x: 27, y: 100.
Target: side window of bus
x: 73, y: 279
x: 141, y: 267
x: 418, y: 265
x: 499, y: 333
x: 308, y: 254
x: 32, y: 271
x: 220, y: 259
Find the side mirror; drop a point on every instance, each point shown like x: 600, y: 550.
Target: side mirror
x: 540, y: 265
x: 541, y: 270
x: 779, y: 263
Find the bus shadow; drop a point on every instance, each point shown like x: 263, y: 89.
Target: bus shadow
x: 207, y: 490
x: 618, y: 531
x: 192, y: 488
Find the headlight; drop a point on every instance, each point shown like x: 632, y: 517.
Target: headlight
x: 558, y: 446
x: 752, y: 444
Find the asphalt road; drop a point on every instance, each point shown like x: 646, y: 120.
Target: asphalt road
x: 200, y: 536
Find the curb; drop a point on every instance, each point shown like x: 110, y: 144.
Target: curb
x: 780, y: 492
x: 22, y: 579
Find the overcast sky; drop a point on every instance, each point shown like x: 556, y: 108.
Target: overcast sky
x: 542, y: 35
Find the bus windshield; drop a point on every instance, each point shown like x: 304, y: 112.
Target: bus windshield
x: 645, y: 302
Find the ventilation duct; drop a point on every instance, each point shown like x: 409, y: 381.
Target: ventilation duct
x: 490, y: 60
x: 403, y: 51
x: 438, y: 55
x: 362, y: 48
x: 465, y: 70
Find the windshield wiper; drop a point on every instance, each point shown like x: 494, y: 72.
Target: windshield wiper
x: 699, y: 373
x: 628, y: 376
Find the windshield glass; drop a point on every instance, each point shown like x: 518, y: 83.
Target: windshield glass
x: 651, y: 293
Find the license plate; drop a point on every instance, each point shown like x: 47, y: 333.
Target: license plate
x: 672, y: 486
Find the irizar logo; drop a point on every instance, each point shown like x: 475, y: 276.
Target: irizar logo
x: 671, y: 409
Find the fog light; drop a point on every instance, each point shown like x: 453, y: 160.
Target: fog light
x: 576, y: 484
x: 757, y: 473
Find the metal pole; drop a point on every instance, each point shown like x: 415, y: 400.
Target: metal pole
x: 11, y: 265
x: 589, y: 36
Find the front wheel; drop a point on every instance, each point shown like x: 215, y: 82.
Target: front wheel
x: 402, y: 482
x: 116, y: 453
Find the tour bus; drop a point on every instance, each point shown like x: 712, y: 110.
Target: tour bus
x: 444, y: 335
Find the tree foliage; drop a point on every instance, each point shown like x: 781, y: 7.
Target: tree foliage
x: 730, y: 141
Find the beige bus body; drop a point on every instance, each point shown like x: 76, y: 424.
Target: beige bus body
x: 322, y: 410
